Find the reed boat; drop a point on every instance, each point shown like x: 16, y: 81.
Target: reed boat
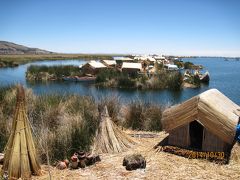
x: 205, y: 78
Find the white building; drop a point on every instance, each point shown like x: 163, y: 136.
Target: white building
x: 171, y: 66
x: 123, y: 59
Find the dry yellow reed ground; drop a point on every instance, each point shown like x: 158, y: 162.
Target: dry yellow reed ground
x: 160, y: 165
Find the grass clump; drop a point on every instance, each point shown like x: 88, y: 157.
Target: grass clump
x: 188, y: 65
x: 61, y: 124
x: 125, y: 82
x: 114, y: 78
x: 106, y: 75
x: 166, y: 80
x: 143, y: 116
x: 70, y: 123
x: 35, y: 72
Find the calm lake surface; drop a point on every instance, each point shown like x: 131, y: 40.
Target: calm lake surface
x: 225, y: 76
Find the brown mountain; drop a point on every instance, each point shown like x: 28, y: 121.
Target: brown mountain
x: 12, y: 48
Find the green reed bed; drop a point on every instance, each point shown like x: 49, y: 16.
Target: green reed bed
x: 35, y: 72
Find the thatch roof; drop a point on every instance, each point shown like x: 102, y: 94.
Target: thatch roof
x: 110, y: 62
x: 127, y: 65
x: 96, y: 64
x: 20, y: 160
x: 109, y: 138
x: 212, y: 109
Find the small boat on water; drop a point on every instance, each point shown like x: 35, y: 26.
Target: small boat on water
x: 69, y: 78
x: 79, y: 79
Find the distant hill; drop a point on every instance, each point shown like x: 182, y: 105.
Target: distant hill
x: 12, y: 48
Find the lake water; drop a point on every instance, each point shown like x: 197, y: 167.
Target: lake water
x: 225, y: 76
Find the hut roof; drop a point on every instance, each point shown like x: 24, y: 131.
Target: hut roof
x: 151, y: 59
x: 110, y: 62
x: 212, y: 109
x: 96, y: 64
x: 126, y: 65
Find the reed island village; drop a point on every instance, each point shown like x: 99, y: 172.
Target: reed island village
x: 119, y: 89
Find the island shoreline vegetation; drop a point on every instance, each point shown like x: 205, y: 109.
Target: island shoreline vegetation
x: 63, y: 124
x: 115, y: 78
x: 109, y: 78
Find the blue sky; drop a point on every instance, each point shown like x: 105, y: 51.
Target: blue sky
x: 177, y: 27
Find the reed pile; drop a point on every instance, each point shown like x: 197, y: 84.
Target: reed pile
x: 20, y: 160
x: 109, y: 138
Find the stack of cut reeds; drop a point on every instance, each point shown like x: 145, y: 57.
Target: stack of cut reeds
x: 109, y: 138
x: 20, y: 159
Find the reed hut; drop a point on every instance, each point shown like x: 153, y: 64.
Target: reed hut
x: 20, y: 159
x: 206, y: 122
x: 109, y: 138
x: 131, y: 68
x: 93, y: 67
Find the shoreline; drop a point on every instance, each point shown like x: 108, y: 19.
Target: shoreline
x: 16, y: 60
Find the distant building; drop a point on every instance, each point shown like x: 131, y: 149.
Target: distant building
x: 151, y: 60
x: 140, y: 58
x: 159, y: 57
x: 124, y: 59
x: 171, y: 67
x: 92, y: 67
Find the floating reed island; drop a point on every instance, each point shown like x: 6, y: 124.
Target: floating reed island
x: 67, y: 125
x: 124, y: 73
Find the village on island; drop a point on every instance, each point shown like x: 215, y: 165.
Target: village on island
x: 134, y: 71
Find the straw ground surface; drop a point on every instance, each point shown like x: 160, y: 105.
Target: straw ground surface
x: 160, y: 165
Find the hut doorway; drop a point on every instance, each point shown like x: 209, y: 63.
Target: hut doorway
x: 196, y: 135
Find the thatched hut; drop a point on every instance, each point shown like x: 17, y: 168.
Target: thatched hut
x: 109, y: 138
x: 93, y: 67
x: 206, y: 122
x: 20, y: 159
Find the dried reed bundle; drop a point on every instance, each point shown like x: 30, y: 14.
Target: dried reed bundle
x: 20, y: 159
x: 109, y: 138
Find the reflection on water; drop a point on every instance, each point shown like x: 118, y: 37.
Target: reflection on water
x: 224, y: 76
